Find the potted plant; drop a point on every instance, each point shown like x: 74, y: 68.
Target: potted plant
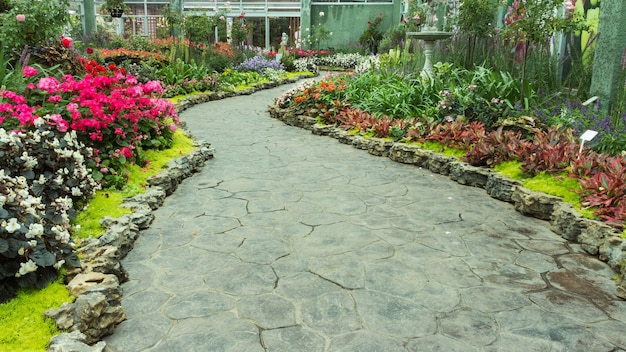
x: 115, y: 8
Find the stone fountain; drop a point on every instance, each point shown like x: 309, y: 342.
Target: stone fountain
x: 429, y: 34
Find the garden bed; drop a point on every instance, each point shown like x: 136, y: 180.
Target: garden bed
x: 595, y: 237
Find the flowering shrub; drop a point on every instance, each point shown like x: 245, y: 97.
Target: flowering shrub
x: 43, y: 173
x: 109, y: 110
x: 259, y: 63
x: 307, y: 53
x: 286, y: 99
x: 305, y: 64
x: 372, y: 35
x: 273, y: 74
x: 345, y: 61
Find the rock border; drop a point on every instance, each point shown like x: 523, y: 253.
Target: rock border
x: 96, y: 285
x: 595, y: 237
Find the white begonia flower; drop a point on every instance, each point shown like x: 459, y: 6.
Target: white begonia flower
x: 34, y: 230
x: 58, y: 180
x: 29, y: 162
x: 321, y: 13
x: 3, y: 200
x: 20, y: 251
x: 61, y: 234
x: 39, y: 121
x: 26, y: 268
x: 76, y: 192
x: 12, y: 225
x: 59, y: 264
x: 32, y: 243
x: 41, y: 180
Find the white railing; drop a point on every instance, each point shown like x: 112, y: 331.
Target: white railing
x: 250, y: 7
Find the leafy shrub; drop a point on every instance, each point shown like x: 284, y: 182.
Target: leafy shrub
x: 551, y: 151
x: 42, y: 21
x: 44, y: 173
x: 232, y: 78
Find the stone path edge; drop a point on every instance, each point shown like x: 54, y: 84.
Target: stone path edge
x: 97, y: 307
x: 595, y: 237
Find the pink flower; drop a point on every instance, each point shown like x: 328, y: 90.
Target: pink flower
x: 62, y: 125
x: 54, y: 99
x: 173, y: 127
x: 49, y: 84
x: 29, y: 71
x: 20, y: 17
x: 126, y: 152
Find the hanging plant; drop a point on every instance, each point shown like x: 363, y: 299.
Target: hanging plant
x: 115, y: 8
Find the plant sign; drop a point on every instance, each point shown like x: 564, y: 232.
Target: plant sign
x: 587, y: 136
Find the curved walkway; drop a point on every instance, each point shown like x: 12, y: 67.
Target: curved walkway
x: 288, y: 241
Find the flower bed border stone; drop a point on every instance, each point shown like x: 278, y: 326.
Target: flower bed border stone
x: 595, y: 237
x: 96, y: 285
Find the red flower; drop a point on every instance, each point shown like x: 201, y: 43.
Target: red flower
x: 66, y: 42
x: 89, y: 51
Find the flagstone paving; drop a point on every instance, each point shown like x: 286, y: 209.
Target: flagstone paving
x: 288, y: 241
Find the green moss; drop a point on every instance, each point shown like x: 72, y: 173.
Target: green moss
x: 299, y: 74
x: 21, y: 319
x: 177, y: 98
x: 511, y: 169
x: 440, y: 148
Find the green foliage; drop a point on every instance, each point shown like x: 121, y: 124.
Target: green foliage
x: 476, y: 19
x: 43, y: 21
x: 199, y: 28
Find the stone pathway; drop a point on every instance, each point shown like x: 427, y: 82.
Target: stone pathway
x: 288, y: 241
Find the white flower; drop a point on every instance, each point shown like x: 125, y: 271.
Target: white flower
x: 59, y: 264
x: 26, y: 268
x: 321, y: 13
x: 76, y: 191
x: 12, y: 226
x: 39, y: 121
x: 20, y: 251
x: 34, y: 230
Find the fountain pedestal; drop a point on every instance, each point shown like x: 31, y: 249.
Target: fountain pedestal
x: 429, y: 37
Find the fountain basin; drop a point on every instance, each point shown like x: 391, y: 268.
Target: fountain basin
x: 429, y: 36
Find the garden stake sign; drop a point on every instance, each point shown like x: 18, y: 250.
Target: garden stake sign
x: 588, y: 135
